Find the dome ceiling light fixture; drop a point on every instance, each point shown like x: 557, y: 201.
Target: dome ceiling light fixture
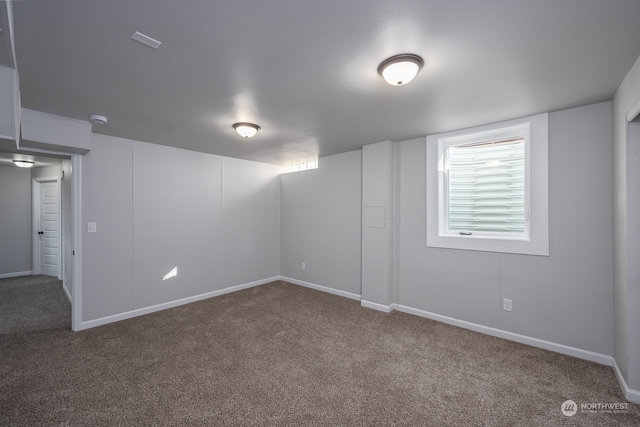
x: 23, y: 163
x: 400, y: 69
x: 245, y: 129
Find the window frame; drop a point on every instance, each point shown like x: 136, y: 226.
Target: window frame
x: 535, y: 240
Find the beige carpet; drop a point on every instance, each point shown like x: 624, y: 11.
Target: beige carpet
x: 280, y: 354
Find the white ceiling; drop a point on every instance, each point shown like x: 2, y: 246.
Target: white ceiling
x: 305, y: 70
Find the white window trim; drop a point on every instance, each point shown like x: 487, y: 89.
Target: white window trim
x: 537, y: 242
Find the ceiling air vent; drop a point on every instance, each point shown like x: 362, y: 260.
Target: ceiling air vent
x: 146, y: 40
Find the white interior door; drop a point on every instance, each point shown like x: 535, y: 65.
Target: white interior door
x: 49, y: 229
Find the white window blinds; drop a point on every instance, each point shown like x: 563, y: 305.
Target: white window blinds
x: 486, y: 186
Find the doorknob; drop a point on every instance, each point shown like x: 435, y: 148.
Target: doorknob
x: 40, y: 232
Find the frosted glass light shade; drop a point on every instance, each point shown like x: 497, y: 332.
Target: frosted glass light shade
x: 246, y: 130
x: 400, y: 69
x: 23, y: 163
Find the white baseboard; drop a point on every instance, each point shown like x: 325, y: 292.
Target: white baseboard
x: 65, y: 288
x: 16, y: 274
x: 376, y: 306
x: 603, y: 359
x: 630, y: 394
x: 147, y: 310
x: 321, y: 288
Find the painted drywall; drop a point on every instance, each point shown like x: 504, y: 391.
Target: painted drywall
x: 320, y: 217
x: 158, y: 207
x: 377, y: 223
x: 52, y: 132
x: 342, y: 246
x: 302, y: 225
x: 251, y: 218
x: 176, y: 223
x: 565, y: 298
x: 15, y: 212
x: 626, y: 213
x: 107, y: 255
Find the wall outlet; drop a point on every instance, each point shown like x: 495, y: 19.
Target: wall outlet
x: 507, y: 305
x: 304, y: 265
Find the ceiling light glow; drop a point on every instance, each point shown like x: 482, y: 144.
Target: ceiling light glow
x: 23, y: 163
x: 400, y: 69
x: 246, y: 130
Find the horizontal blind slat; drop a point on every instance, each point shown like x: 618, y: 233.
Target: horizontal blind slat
x: 486, y: 186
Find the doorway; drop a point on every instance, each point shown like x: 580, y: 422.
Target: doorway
x: 65, y: 169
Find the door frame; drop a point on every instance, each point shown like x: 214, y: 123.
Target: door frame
x: 76, y: 233
x: 36, y: 184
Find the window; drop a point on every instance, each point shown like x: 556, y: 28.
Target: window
x: 302, y: 166
x: 487, y: 188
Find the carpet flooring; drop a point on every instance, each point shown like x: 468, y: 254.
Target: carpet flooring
x: 284, y: 355
x: 33, y: 303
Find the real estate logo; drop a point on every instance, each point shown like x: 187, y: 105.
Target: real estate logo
x: 569, y: 408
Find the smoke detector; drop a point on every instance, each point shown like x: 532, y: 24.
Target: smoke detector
x: 98, y: 120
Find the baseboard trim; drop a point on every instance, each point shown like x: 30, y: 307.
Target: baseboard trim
x: 591, y: 356
x: 152, y: 309
x: 66, y: 291
x: 630, y: 394
x: 321, y: 288
x: 376, y: 306
x: 16, y: 274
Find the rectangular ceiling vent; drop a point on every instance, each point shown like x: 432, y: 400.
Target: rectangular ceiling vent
x: 146, y: 40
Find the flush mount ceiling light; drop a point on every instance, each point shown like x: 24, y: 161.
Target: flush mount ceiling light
x: 246, y: 130
x: 400, y: 69
x: 23, y: 163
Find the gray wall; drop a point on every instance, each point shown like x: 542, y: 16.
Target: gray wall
x: 377, y: 223
x: 626, y: 211
x: 15, y: 220
x: 159, y: 207
x: 250, y: 215
x: 320, y: 223
x: 565, y: 298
